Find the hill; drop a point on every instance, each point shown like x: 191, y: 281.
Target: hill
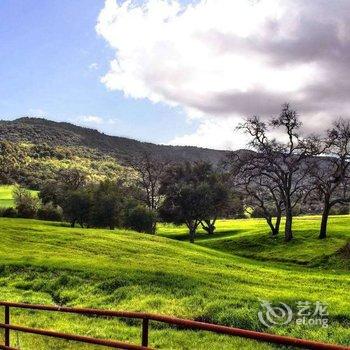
x: 59, y: 134
x: 49, y: 263
x: 251, y: 238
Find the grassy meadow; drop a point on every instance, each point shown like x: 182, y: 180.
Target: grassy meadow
x: 220, y: 279
x: 6, y: 196
x: 251, y: 239
x: 6, y: 199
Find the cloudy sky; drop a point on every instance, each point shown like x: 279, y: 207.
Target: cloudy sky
x: 177, y: 72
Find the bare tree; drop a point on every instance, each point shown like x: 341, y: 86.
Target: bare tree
x: 284, y: 163
x: 265, y: 195
x: 150, y: 171
x: 257, y: 189
x: 331, y: 174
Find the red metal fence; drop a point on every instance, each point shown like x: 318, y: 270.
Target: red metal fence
x: 146, y: 318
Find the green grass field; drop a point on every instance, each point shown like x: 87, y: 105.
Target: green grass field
x: 251, y: 239
x: 6, y: 196
x: 220, y: 279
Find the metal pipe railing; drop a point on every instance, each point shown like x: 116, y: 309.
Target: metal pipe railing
x: 146, y: 317
x: 89, y: 340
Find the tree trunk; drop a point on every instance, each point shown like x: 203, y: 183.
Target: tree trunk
x: 154, y: 228
x: 269, y: 222
x: 209, y: 226
x: 192, y: 226
x: 192, y: 234
x: 288, y: 233
x: 277, y: 224
x: 325, y: 216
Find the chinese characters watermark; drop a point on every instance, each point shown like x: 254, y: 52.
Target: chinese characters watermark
x: 305, y: 313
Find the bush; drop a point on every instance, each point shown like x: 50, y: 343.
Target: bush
x: 50, y: 212
x: 26, y: 203
x: 8, y: 212
x: 140, y: 219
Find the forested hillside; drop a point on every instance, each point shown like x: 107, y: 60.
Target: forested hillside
x: 41, y: 131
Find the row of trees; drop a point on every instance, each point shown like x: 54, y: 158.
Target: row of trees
x: 280, y: 174
x: 105, y: 204
x: 191, y: 194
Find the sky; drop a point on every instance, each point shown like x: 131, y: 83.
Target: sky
x: 175, y: 72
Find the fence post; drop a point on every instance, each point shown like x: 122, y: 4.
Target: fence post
x: 7, y: 321
x: 145, y: 323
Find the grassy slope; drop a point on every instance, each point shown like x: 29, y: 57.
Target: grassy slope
x: 6, y: 199
x: 251, y: 238
x: 46, y: 263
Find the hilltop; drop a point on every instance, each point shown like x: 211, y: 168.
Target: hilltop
x: 61, y: 134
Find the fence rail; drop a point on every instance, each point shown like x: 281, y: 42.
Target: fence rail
x: 146, y: 318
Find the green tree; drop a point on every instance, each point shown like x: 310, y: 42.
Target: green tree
x: 57, y: 190
x: 107, y: 206
x: 193, y: 195
x: 77, y: 206
x: 140, y: 218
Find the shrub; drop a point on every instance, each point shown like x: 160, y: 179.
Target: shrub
x: 8, y: 212
x: 26, y: 203
x: 140, y: 219
x: 50, y: 212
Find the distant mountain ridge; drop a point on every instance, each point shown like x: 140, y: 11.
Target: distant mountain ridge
x: 44, y: 131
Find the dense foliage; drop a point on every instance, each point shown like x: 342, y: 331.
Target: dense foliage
x: 70, y: 137
x: 31, y: 165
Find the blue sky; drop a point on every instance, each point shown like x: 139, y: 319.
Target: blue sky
x: 51, y: 63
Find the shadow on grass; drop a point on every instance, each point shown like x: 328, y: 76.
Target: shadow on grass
x: 59, y: 224
x: 200, y: 236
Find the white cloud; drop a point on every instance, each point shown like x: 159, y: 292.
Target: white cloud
x: 111, y: 121
x: 93, y: 66
x: 89, y: 119
x: 37, y: 112
x: 230, y: 58
x: 169, y: 53
x: 215, y: 133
